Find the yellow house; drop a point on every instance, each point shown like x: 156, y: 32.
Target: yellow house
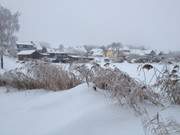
x: 110, y: 53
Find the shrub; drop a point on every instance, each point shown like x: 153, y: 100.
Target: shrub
x: 41, y: 75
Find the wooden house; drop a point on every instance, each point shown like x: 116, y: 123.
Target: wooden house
x: 25, y: 46
x: 29, y: 54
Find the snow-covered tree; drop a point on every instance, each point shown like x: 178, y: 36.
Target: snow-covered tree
x: 88, y: 48
x: 8, y: 26
x: 44, y: 44
x: 115, y: 45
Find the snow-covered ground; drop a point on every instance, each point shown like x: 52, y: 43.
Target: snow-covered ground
x: 136, y: 71
x: 9, y: 63
x: 78, y: 111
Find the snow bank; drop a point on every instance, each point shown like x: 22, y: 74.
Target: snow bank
x: 78, y: 111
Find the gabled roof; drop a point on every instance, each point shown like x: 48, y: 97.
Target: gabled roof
x: 25, y: 43
x: 36, y: 44
x: 26, y: 52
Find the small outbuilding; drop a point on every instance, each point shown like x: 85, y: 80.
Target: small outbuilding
x: 29, y: 54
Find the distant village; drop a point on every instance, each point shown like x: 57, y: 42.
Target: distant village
x: 114, y: 52
x: 33, y: 50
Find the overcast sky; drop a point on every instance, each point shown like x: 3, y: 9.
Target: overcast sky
x: 153, y: 23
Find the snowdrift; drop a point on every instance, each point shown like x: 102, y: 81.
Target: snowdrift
x: 78, y: 111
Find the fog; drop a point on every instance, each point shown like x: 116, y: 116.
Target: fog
x: 153, y: 23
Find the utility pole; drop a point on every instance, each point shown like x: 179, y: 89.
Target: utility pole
x: 2, y: 63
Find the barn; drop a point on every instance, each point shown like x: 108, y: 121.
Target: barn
x: 29, y: 54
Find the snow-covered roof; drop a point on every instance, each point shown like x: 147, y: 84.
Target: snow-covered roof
x: 78, y: 56
x: 121, y: 48
x: 75, y: 49
x: 26, y: 52
x: 25, y: 43
x: 51, y: 50
x: 80, y: 48
x: 97, y: 52
x: 139, y: 51
x: 31, y: 43
x: 124, y: 48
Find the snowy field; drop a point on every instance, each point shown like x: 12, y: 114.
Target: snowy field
x: 78, y: 111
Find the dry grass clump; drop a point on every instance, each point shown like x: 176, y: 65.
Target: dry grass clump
x: 2, y: 81
x: 20, y: 80
x: 124, y: 88
x: 158, y: 126
x: 54, y: 77
x: 167, y: 80
x: 169, y: 83
x: 120, y: 86
x: 37, y: 75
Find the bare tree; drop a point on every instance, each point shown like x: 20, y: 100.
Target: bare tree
x: 8, y: 26
x: 140, y: 47
x: 61, y: 47
x: 44, y: 44
x: 88, y: 48
x: 115, y: 45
